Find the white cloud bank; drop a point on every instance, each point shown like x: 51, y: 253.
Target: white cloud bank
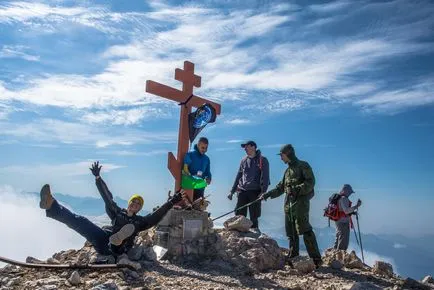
x: 26, y: 231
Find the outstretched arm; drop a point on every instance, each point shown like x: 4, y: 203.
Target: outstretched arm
x: 154, y: 218
x: 111, y: 207
x: 277, y: 191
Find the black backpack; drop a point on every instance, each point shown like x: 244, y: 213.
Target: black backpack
x: 332, y: 209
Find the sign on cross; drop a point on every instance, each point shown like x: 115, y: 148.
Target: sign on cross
x: 187, y: 100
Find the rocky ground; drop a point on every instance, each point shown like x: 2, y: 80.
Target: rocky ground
x: 239, y: 261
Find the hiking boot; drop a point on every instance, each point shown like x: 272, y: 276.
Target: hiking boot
x: 318, y: 262
x: 292, y: 254
x: 125, y: 232
x: 46, y: 197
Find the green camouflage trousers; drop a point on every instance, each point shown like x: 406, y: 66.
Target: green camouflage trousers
x: 297, y: 223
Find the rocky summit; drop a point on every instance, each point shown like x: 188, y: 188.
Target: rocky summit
x: 235, y: 260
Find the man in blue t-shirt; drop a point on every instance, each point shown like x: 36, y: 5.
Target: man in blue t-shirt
x: 197, y: 163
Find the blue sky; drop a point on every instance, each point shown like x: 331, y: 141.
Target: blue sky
x: 350, y: 85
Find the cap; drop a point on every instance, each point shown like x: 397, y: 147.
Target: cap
x: 250, y: 142
x: 347, y: 188
x: 286, y: 149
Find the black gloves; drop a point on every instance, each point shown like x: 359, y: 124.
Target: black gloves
x: 177, y: 197
x: 95, y: 168
x: 264, y: 196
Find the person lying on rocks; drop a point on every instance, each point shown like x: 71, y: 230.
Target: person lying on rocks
x: 125, y: 223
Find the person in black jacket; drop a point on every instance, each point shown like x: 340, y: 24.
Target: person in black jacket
x: 125, y: 223
x: 253, y: 178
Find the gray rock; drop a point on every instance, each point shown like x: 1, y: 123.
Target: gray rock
x: 428, y: 280
x: 364, y: 286
x: 149, y: 280
x: 336, y: 264
x: 106, y: 286
x: 52, y: 261
x: 32, y: 260
x: 135, y: 253
x: 131, y: 274
x: 353, y: 262
x: 123, y: 260
x: 74, y: 279
x: 102, y: 259
x: 303, y: 265
x: 49, y: 287
x: 383, y: 268
x: 413, y: 284
x: 238, y: 223
x: 12, y: 282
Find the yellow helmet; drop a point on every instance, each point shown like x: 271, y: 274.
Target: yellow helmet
x: 138, y: 197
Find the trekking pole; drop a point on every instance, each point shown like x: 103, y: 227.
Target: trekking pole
x: 354, y: 230
x: 246, y: 205
x: 360, y: 237
x: 355, y: 234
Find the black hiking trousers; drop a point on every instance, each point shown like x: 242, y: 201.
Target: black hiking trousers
x: 245, y: 197
x: 98, y: 237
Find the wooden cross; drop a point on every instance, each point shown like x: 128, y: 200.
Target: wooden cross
x: 188, y: 79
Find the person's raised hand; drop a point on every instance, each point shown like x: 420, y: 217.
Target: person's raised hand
x: 95, y: 168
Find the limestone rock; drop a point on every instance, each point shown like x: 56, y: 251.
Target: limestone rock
x: 410, y: 283
x: 53, y: 261
x: 74, y: 279
x: 353, y: 262
x: 106, y: 286
x: 238, y: 223
x: 428, y: 280
x: 364, y: 286
x: 303, y: 264
x: 336, y: 264
x: 135, y: 253
x: 101, y: 259
x: 383, y: 268
x: 32, y: 260
x: 250, y: 254
x: 123, y: 260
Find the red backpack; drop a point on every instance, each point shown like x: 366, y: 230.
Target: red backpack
x: 332, y: 209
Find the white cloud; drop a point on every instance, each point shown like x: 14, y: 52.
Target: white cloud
x: 46, y: 18
x: 26, y: 231
x: 355, y: 90
x: 329, y: 7
x: 125, y: 117
x: 24, y: 11
x: 136, y: 153
x: 57, y: 170
x: 399, y: 246
x: 234, y: 141
x: 17, y: 51
x: 224, y: 63
x: 4, y: 111
x: 393, y: 101
x: 238, y: 121
x: 55, y: 131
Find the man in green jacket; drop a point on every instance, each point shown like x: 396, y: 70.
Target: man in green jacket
x: 298, y: 185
